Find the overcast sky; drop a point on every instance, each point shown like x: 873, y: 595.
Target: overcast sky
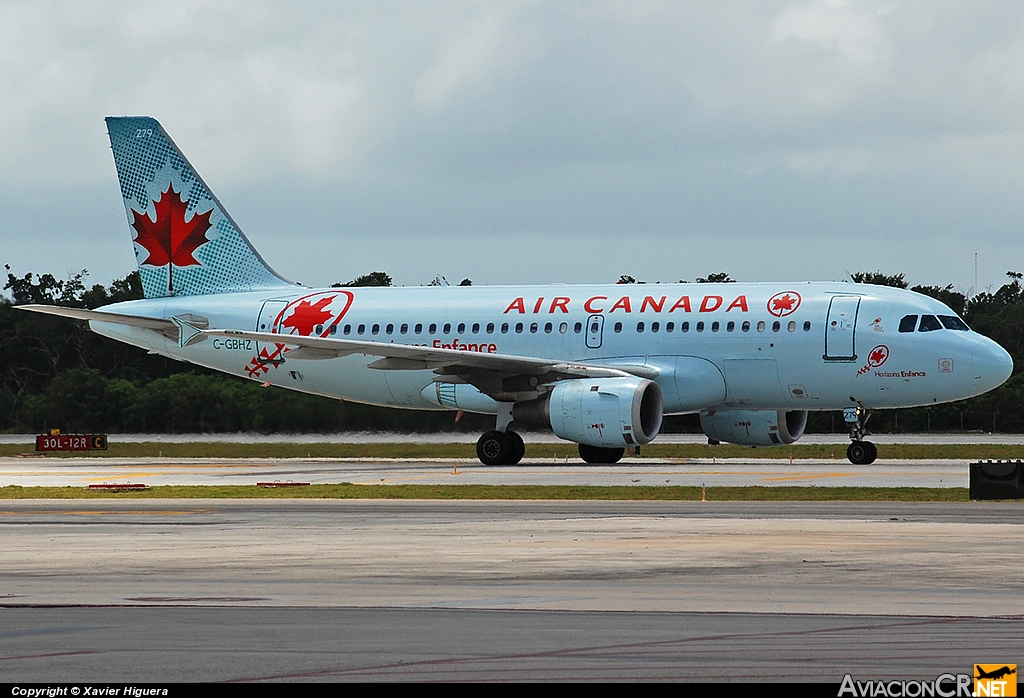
x: 532, y: 142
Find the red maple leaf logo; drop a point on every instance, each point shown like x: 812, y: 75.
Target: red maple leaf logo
x: 170, y: 239
x: 878, y: 355
x: 308, y: 315
x: 784, y: 303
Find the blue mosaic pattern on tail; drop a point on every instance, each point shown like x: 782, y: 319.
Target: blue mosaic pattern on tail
x: 147, y: 162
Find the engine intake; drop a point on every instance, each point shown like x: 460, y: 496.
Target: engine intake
x: 605, y: 412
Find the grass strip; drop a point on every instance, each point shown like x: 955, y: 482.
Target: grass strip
x: 551, y: 451
x: 509, y: 492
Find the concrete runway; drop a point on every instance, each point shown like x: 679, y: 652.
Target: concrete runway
x: 79, y: 472
x: 356, y: 590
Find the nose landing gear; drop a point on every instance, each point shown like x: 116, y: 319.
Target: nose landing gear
x: 860, y: 452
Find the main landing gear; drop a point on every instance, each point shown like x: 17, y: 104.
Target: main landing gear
x: 500, y: 448
x: 860, y: 452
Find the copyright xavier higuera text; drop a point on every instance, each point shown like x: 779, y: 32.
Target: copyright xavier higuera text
x: 55, y: 691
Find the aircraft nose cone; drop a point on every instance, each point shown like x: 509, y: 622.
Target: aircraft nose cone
x: 992, y: 365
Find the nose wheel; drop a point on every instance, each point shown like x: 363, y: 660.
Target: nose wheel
x: 860, y: 452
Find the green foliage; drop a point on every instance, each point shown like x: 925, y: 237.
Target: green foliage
x: 879, y: 279
x: 956, y: 301
x: 55, y: 373
x: 374, y: 278
x: 716, y: 278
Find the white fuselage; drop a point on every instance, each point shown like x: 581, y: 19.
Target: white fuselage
x: 804, y: 346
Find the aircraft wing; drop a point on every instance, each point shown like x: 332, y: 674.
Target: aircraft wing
x: 165, y: 326
x: 504, y: 377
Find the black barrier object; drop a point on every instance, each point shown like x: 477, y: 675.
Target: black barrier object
x: 997, y: 480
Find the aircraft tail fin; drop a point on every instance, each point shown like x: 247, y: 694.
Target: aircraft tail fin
x: 185, y: 242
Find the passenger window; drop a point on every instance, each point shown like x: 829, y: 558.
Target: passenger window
x: 792, y: 326
x: 952, y: 322
x: 760, y: 326
x: 375, y: 329
x: 776, y: 326
x: 404, y: 329
x: 684, y: 327
x: 504, y: 328
x: 433, y: 328
x: 519, y: 328
x: 746, y: 326
x: 670, y: 326
x: 929, y: 323
x: 730, y: 326
x: 655, y: 326
x: 533, y: 328
x: 639, y: 327
x: 564, y: 327
x: 490, y: 328
x: 334, y: 329
x: 807, y: 325
x: 714, y: 326
x: 418, y: 328
x: 578, y: 327
x: 617, y: 327
x: 476, y: 327
x: 548, y: 327
x: 347, y: 329
x: 462, y: 327
x: 447, y: 328
x: 908, y: 323
x: 389, y: 329
x: 700, y: 326
x: 361, y: 329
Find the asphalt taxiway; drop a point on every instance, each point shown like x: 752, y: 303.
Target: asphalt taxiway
x: 558, y: 470
x: 336, y: 590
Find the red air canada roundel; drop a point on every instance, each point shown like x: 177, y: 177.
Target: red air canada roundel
x: 878, y: 355
x: 313, y: 315
x: 783, y: 304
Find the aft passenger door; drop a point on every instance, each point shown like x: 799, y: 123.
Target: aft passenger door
x: 841, y: 328
x: 266, y: 323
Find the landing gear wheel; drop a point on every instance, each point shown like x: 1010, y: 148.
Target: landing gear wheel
x: 862, y: 453
x: 494, y: 448
x: 598, y: 455
x: 518, y: 447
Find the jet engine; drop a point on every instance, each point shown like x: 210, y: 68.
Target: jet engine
x: 602, y: 412
x: 754, y: 427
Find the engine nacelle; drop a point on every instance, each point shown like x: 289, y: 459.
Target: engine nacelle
x: 604, y: 412
x: 754, y: 427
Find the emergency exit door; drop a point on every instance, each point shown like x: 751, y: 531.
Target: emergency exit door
x: 595, y: 331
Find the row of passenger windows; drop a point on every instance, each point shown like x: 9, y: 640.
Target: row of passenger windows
x: 563, y: 328
x: 930, y: 323
x: 716, y: 326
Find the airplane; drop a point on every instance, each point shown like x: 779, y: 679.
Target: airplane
x: 598, y: 365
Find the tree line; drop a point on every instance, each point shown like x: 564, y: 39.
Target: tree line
x: 58, y: 374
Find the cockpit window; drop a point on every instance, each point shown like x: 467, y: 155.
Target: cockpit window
x: 952, y: 322
x: 908, y: 323
x: 929, y: 323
